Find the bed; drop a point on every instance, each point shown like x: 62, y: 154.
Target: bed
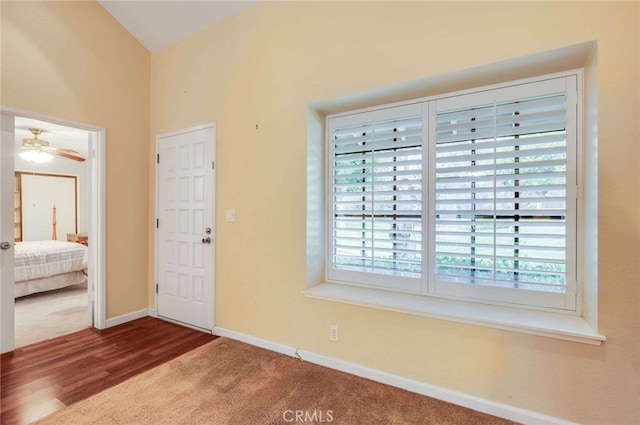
x: 41, y: 266
x: 46, y: 265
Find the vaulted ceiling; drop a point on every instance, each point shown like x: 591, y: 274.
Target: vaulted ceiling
x: 157, y: 24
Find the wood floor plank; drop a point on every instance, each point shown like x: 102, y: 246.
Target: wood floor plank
x: 39, y: 379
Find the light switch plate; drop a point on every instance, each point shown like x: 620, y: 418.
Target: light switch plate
x: 231, y: 214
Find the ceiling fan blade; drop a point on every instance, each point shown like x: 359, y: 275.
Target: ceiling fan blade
x: 65, y: 154
x: 70, y: 151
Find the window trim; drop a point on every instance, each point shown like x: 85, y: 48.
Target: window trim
x: 533, y: 322
x: 426, y: 280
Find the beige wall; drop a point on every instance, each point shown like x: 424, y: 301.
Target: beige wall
x: 265, y: 66
x: 72, y: 60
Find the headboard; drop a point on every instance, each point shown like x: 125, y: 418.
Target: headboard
x: 54, y: 235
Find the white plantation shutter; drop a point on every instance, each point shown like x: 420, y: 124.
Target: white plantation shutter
x: 503, y: 212
x: 470, y: 195
x: 376, y: 197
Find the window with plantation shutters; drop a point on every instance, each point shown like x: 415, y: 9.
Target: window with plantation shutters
x: 470, y: 195
x: 502, y: 175
x: 376, y: 197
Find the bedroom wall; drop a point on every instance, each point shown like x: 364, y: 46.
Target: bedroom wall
x: 73, y: 60
x: 39, y: 195
x: 69, y: 168
x: 267, y: 64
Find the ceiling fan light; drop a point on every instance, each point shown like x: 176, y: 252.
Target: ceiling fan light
x: 36, y: 156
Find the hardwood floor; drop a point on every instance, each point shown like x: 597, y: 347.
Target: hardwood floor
x: 39, y: 379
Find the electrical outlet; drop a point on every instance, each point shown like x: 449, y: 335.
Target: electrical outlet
x: 333, y: 332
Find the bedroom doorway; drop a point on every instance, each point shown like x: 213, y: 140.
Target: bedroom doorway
x: 77, y: 224
x: 185, y: 232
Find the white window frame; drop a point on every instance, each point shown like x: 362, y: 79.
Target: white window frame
x: 428, y: 287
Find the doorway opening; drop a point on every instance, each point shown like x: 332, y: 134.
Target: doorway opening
x: 58, y: 212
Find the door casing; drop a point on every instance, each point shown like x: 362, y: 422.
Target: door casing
x: 97, y: 205
x: 157, y: 202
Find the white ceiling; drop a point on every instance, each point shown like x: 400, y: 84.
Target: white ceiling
x: 157, y: 24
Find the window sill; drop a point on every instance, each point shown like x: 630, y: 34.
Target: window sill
x: 550, y: 325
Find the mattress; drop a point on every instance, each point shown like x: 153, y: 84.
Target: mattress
x: 44, y: 259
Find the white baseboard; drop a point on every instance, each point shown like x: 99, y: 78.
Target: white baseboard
x: 506, y: 411
x: 258, y: 342
x: 115, y: 321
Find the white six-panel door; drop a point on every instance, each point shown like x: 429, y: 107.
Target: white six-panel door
x: 7, y: 286
x: 185, y: 238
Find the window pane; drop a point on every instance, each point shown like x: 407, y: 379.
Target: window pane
x: 500, y: 191
x: 377, y: 197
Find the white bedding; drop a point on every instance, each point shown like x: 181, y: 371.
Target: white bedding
x: 28, y: 287
x: 43, y: 259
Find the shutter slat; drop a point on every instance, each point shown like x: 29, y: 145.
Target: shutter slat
x: 503, y: 222
x: 551, y: 102
x: 370, y: 174
x: 381, y: 250
x: 478, y: 112
x: 367, y: 157
x: 522, y: 201
x: 501, y: 131
x: 382, y: 206
x: 521, y: 189
x: 491, y: 156
x: 462, y: 256
x: 500, y: 178
x: 488, y: 122
x: 382, y: 146
x: 490, y: 213
x: 369, y: 256
x: 509, y: 166
x: 366, y: 219
x: 358, y: 235
x: 530, y: 140
x: 369, y: 193
x: 468, y: 234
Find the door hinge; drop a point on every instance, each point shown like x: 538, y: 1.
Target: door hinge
x: 157, y: 223
x: 158, y: 158
x: 213, y: 165
x: 156, y: 288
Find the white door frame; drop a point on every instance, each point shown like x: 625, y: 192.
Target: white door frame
x: 97, y: 201
x: 157, y: 212
x: 7, y: 286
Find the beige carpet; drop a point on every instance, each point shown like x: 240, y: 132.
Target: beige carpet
x: 50, y: 314
x: 229, y: 382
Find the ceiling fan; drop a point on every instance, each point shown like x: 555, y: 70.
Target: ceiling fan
x: 39, y: 150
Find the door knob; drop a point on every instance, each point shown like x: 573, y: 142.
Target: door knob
x: 206, y: 240
x: 5, y: 245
